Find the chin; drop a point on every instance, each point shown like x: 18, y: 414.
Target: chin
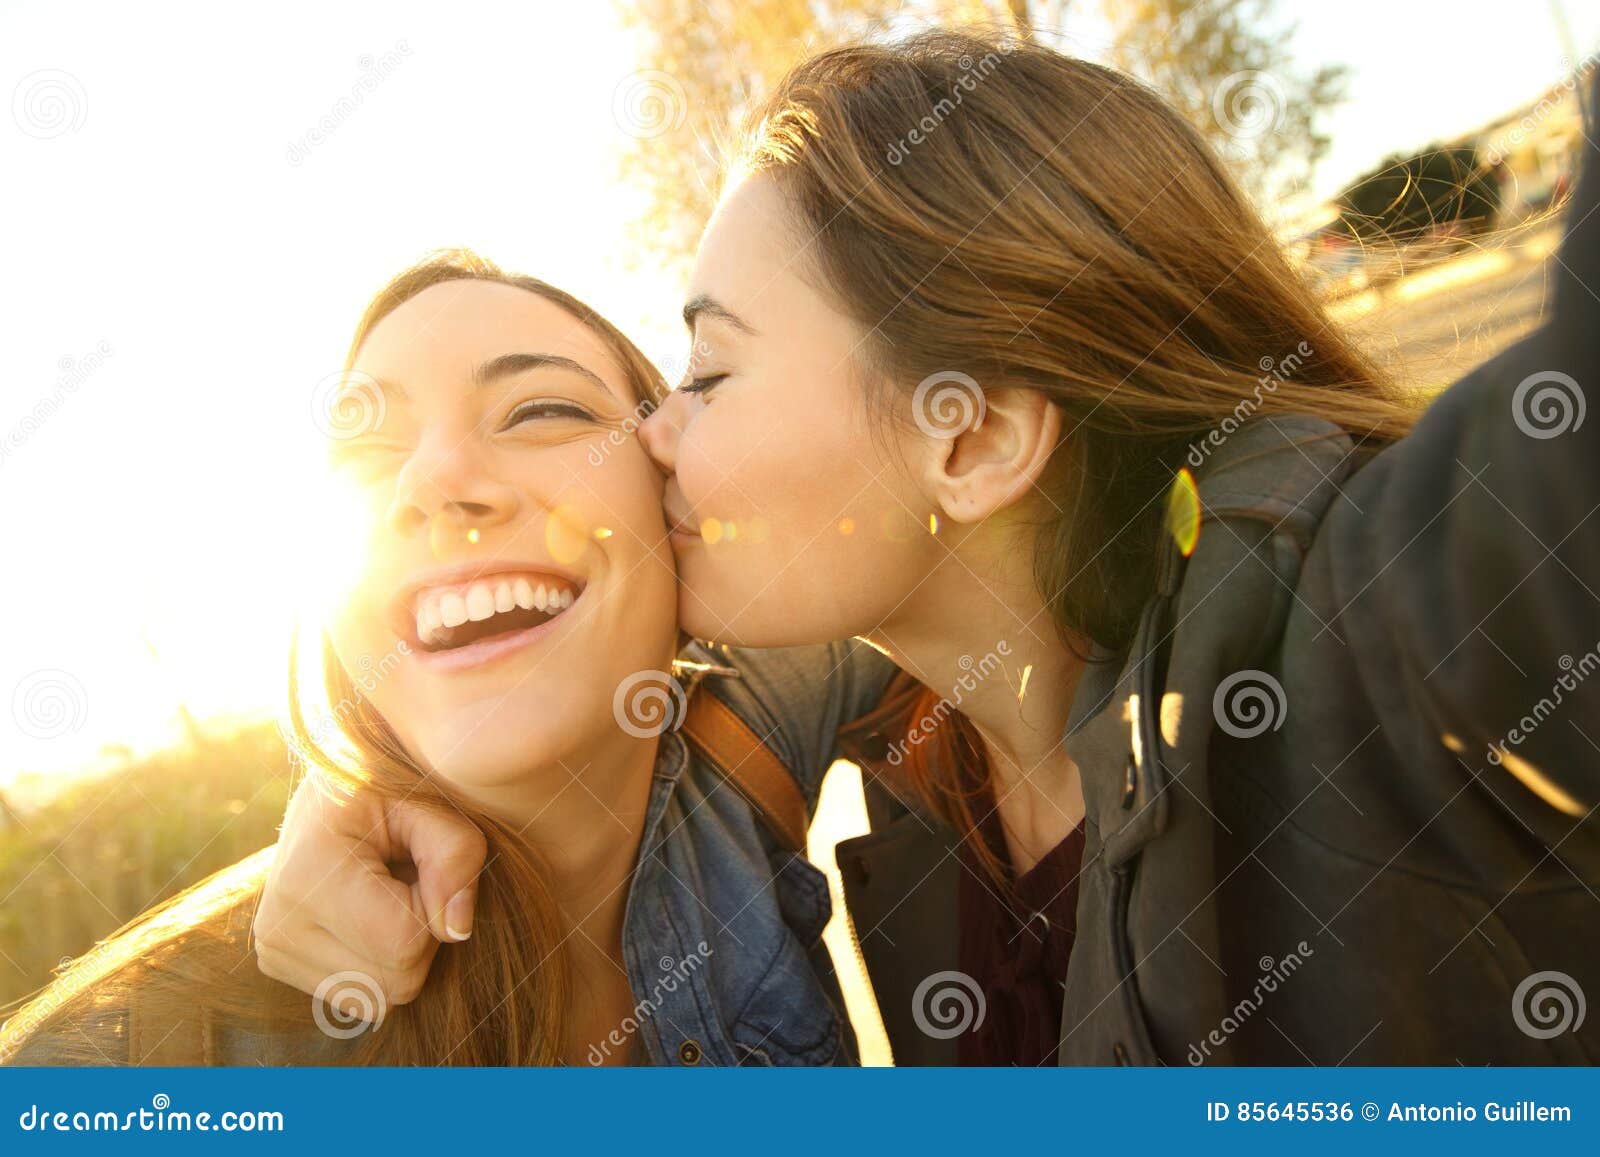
x: 499, y: 747
x: 500, y: 762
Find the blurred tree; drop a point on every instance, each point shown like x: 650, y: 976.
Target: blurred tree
x: 1227, y: 67
x: 1405, y: 197
x: 704, y: 62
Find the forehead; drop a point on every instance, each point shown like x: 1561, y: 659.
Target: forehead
x: 750, y: 239
x: 445, y: 332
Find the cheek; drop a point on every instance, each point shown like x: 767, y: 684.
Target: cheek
x: 628, y: 486
x: 817, y: 534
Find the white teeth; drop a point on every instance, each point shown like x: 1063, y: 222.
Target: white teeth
x: 437, y: 611
x: 480, y: 602
x: 452, y: 610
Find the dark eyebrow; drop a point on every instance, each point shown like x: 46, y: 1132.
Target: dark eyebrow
x: 706, y: 306
x: 508, y: 364
x: 504, y: 366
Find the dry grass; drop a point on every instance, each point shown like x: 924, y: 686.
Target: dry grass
x: 77, y: 868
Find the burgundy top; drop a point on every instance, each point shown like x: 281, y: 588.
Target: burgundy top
x: 1017, y: 951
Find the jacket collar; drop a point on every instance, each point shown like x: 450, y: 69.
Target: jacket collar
x: 1257, y: 499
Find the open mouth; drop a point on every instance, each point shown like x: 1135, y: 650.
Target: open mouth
x: 456, y: 616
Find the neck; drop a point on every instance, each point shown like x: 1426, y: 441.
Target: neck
x: 991, y: 649
x: 585, y: 819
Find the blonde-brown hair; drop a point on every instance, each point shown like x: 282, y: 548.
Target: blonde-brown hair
x: 989, y: 206
x: 499, y: 998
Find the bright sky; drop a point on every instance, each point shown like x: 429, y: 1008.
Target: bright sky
x: 184, y: 266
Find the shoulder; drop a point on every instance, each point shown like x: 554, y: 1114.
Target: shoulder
x: 796, y: 700
x: 778, y: 675
x: 176, y: 986
x: 796, y: 690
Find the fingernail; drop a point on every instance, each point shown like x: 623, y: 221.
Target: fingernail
x: 458, y: 915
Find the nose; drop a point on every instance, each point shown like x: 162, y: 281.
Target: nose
x: 450, y: 481
x: 662, y: 430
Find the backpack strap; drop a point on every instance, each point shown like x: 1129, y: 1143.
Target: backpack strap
x: 735, y: 750
x: 154, y: 1040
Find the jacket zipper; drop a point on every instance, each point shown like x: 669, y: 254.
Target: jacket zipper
x: 866, y: 979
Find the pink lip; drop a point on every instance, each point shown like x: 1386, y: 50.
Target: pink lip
x: 676, y: 522
x: 492, y: 649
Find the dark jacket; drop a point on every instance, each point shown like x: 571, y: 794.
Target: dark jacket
x: 1341, y: 790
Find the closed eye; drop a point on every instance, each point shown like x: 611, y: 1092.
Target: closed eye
x: 701, y: 385
x: 546, y: 409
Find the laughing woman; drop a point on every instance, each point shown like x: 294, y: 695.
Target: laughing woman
x: 514, y: 579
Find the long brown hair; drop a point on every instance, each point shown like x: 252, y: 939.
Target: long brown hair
x: 499, y: 998
x: 990, y: 206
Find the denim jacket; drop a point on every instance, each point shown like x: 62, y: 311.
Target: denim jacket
x: 713, y: 882
x: 721, y: 932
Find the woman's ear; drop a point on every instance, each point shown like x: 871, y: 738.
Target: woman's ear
x: 997, y: 458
